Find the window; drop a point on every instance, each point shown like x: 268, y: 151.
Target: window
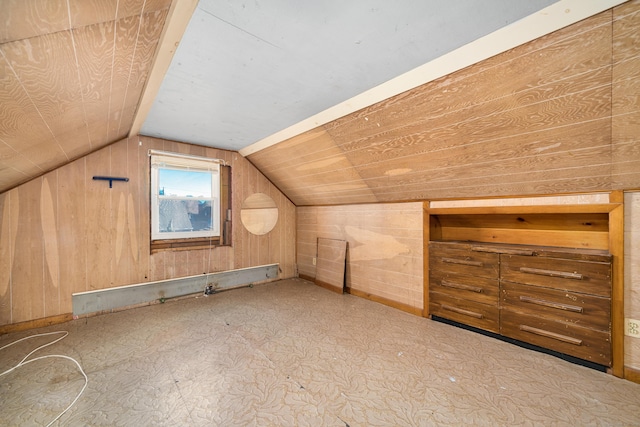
x: 186, y: 202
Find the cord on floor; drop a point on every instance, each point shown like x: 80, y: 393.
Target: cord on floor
x: 24, y: 361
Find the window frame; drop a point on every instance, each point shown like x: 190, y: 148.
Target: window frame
x: 221, y: 198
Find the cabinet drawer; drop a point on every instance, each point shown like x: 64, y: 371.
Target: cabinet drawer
x: 587, y: 344
x: 470, y: 313
x: 583, y: 310
x: 480, y: 289
x: 571, y: 275
x: 460, y: 258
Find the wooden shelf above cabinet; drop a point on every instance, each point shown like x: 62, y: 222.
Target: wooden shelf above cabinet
x: 539, y: 209
x: 586, y: 230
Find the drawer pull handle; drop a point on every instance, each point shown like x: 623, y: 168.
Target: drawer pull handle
x: 461, y: 286
x: 462, y: 311
x: 552, y: 273
x: 549, y: 334
x: 462, y: 262
x: 501, y: 250
x: 552, y: 304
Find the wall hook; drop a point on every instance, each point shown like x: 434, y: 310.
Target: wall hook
x: 110, y: 179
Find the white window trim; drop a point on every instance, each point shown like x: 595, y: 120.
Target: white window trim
x: 164, y: 159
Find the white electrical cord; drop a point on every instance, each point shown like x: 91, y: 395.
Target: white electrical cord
x: 24, y: 361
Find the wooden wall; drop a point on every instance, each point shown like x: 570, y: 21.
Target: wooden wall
x: 71, y: 77
x: 64, y: 232
x: 632, y: 276
x: 556, y: 115
x: 625, y: 92
x: 384, y: 254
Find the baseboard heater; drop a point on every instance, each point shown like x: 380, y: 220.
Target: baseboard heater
x: 123, y: 296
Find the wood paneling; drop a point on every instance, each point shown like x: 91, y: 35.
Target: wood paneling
x: 632, y: 274
x: 577, y: 223
x: 24, y: 19
x: 565, y: 230
x: 27, y: 147
x: 72, y: 74
x: 556, y: 115
x: 319, y: 163
x: 27, y: 290
x: 50, y: 244
x: 625, y: 119
x: 28, y: 18
x: 7, y: 239
x: 384, y: 259
x: 330, y: 264
x: 72, y: 230
x: 123, y: 259
x: 51, y: 92
x: 95, y: 49
x: 64, y: 232
x: 98, y: 216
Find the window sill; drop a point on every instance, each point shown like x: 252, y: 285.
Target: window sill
x: 184, y: 244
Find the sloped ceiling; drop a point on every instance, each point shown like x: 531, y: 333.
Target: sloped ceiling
x: 245, y: 70
x: 77, y: 75
x: 71, y: 76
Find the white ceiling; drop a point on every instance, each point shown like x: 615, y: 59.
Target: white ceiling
x: 246, y: 70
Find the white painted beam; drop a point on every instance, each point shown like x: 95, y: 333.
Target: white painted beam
x: 547, y: 20
x: 175, y: 25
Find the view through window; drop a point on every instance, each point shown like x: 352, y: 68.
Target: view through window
x: 185, y: 196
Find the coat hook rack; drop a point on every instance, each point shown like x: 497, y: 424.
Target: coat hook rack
x: 110, y: 179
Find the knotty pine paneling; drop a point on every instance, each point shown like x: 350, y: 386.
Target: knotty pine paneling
x: 72, y: 73
x: 536, y: 119
x: 632, y: 274
x: 64, y: 232
x: 384, y: 256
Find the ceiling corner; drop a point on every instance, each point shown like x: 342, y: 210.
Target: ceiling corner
x: 179, y: 16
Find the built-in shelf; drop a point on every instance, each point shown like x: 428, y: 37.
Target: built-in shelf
x: 589, y: 226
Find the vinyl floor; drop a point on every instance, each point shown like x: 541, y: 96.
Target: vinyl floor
x: 289, y: 353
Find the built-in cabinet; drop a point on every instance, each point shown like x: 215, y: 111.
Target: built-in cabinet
x: 548, y: 275
x: 464, y: 285
x: 551, y: 297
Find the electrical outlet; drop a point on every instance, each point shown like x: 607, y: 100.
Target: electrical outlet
x: 314, y: 261
x: 632, y: 328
